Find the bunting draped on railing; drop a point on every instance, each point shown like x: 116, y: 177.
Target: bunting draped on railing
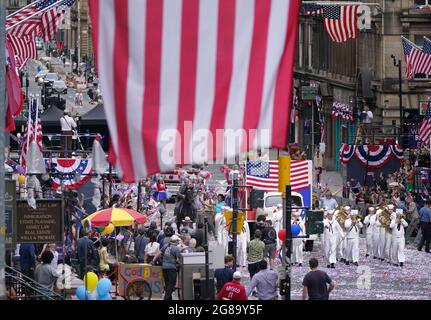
x: 343, y: 111
x: 72, y: 172
x: 371, y: 156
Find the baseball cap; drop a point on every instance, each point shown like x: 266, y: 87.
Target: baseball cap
x: 237, y: 275
x: 175, y: 238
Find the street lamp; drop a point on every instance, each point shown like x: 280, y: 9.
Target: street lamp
x: 397, y: 64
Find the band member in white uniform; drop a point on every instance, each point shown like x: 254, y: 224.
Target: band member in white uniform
x: 343, y: 239
x: 382, y: 237
x: 370, y: 222
x: 330, y: 231
x: 298, y: 243
x: 277, y: 222
x: 388, y: 236
x: 353, y: 226
x: 398, y: 226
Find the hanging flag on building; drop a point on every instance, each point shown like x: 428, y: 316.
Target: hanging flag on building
x: 24, y: 48
x: 32, y: 132
x: 312, y: 9
x: 417, y: 61
x: 341, y: 22
x: 193, y: 67
x: 425, y: 127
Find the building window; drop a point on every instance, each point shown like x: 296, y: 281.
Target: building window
x: 14, y: 3
x: 422, y: 2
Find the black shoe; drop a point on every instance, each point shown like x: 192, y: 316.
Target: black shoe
x: 367, y: 255
x: 419, y: 249
x: 328, y: 266
x: 342, y: 260
x: 300, y: 265
x: 396, y: 265
x: 381, y: 259
x: 333, y: 265
x: 374, y: 257
x: 401, y: 264
x: 356, y: 264
x: 347, y: 263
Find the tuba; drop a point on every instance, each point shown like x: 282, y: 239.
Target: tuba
x: 384, y: 216
x: 341, y: 215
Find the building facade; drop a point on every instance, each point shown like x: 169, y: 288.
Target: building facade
x: 358, y: 72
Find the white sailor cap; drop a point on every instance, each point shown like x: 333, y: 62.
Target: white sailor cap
x: 347, y: 208
x: 371, y: 209
x: 390, y: 207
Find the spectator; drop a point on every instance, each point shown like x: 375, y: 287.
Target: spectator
x: 68, y: 125
x: 224, y: 275
x: 141, y: 242
x: 315, y: 283
x: 86, y: 253
x: 220, y: 203
x: 199, y: 234
x: 233, y: 290
x: 45, y: 275
x: 255, y: 253
x: 265, y: 282
x: 328, y: 202
x: 209, y: 212
x: 51, y: 247
x: 152, y: 250
x: 260, y: 223
x: 27, y: 259
x: 171, y: 254
x: 425, y: 222
x: 270, y: 240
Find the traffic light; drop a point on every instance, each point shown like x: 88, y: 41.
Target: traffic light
x: 314, y: 222
x: 256, y: 198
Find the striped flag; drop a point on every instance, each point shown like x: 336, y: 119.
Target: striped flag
x: 44, y: 24
x: 417, y: 61
x: 188, y: 70
x: 425, y: 127
x: 24, y: 48
x: 263, y: 175
x: 341, y: 22
x: 32, y: 132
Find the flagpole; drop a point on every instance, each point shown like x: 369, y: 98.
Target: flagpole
x: 28, y: 128
x: 2, y: 143
x: 23, y: 8
x: 35, y: 14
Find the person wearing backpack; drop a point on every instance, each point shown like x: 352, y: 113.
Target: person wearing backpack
x: 270, y: 240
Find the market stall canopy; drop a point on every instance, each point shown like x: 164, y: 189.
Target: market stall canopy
x: 51, y: 117
x: 119, y: 217
x: 95, y: 116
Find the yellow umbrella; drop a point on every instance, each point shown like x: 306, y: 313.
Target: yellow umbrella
x: 119, y: 217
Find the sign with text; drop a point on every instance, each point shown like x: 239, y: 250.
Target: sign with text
x: 308, y: 93
x: 41, y: 225
x: 9, y: 204
x: 152, y: 274
x: 414, y: 139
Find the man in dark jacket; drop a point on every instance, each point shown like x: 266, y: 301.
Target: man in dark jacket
x: 199, y: 235
x: 224, y: 275
x: 27, y: 259
x: 86, y: 253
x: 140, y: 243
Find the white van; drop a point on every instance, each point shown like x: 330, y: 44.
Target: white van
x: 272, y: 199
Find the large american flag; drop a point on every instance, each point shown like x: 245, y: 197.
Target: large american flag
x: 32, y: 132
x: 24, y: 48
x: 170, y: 70
x: 263, y: 175
x: 341, y: 22
x: 425, y: 127
x: 417, y: 61
x: 44, y: 25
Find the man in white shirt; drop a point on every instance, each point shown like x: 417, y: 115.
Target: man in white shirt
x: 367, y: 117
x: 328, y: 203
x: 67, y: 127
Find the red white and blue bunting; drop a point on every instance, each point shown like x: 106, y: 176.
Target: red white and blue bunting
x: 371, y: 156
x: 72, y: 172
x: 343, y: 111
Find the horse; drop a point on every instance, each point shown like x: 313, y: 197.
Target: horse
x: 184, y: 206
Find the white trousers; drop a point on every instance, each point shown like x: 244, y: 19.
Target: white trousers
x: 376, y: 243
x: 330, y: 245
x: 352, y: 250
x: 340, y: 246
x: 297, y: 254
x: 397, y: 250
x: 388, y: 244
x: 370, y: 243
x: 382, y: 240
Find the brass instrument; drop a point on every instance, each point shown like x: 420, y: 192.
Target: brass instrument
x: 384, y: 217
x: 341, y: 215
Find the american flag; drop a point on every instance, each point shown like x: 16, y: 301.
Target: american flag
x: 417, y: 61
x: 24, y: 48
x: 312, y: 9
x: 211, y: 64
x: 44, y: 25
x: 341, y: 22
x: 263, y: 175
x: 32, y: 132
x: 425, y: 127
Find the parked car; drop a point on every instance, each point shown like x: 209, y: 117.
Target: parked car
x: 51, y: 77
x: 59, y: 86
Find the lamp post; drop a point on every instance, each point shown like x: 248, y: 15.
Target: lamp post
x: 397, y: 64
